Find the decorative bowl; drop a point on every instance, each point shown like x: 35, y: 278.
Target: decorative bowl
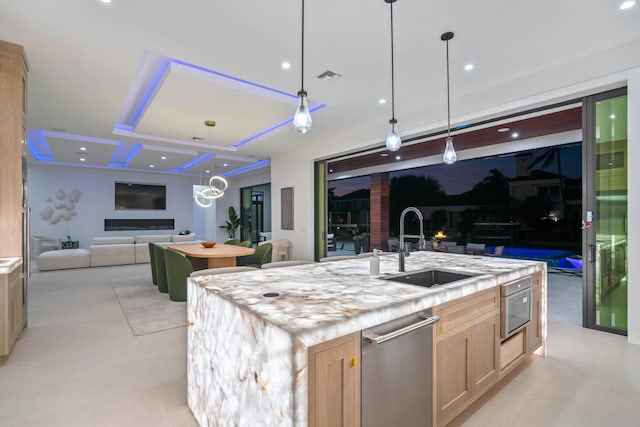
x: 208, y: 244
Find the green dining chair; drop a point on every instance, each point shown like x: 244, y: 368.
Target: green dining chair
x: 261, y: 256
x: 245, y: 243
x: 232, y: 242
x: 161, y: 271
x: 178, y: 269
x: 152, y: 259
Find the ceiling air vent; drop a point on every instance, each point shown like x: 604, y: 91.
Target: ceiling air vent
x: 329, y: 75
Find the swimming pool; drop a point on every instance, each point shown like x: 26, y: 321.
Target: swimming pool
x: 553, y: 257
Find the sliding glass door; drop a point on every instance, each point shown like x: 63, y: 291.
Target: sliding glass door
x: 605, y: 212
x: 255, y: 213
x: 320, y: 210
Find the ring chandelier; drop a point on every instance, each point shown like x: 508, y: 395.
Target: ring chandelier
x: 216, y: 186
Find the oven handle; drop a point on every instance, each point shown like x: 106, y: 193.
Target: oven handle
x: 376, y: 339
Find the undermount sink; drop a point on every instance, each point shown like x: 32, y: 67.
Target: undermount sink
x: 428, y: 278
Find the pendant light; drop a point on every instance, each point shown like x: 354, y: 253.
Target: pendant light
x: 302, y: 118
x: 216, y: 186
x: 393, y: 142
x: 449, y: 156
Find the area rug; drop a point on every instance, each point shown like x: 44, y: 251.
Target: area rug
x: 148, y: 311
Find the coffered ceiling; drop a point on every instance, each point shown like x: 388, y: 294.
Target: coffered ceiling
x: 128, y: 85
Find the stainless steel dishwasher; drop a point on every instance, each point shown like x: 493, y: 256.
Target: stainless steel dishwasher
x: 397, y: 368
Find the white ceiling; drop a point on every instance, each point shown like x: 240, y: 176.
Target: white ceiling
x: 93, y: 67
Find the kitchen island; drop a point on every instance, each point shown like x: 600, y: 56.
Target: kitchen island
x: 250, y: 333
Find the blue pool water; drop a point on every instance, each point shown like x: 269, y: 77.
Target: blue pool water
x: 553, y: 257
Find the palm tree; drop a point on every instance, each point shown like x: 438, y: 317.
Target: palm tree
x: 547, y: 158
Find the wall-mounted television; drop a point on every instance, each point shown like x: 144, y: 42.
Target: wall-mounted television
x: 129, y: 195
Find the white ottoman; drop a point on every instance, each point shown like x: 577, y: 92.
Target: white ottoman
x: 63, y: 259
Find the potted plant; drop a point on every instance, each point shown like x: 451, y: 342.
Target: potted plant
x: 435, y: 242
x: 357, y: 243
x: 231, y: 225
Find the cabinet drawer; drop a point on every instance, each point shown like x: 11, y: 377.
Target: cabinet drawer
x: 464, y: 311
x: 511, y: 349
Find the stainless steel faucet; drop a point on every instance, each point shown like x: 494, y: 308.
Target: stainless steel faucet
x: 421, y: 242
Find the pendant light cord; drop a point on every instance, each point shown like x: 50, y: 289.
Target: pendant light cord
x: 448, y: 96
x: 393, y: 97
x: 302, y: 56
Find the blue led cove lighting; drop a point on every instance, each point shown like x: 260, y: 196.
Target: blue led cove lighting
x: 256, y: 165
x: 237, y: 79
x: 150, y: 94
x: 193, y: 162
x: 119, y: 152
x: 42, y: 152
x: 274, y: 127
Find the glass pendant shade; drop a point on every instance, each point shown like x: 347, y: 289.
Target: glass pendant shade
x: 393, y: 139
x: 302, y: 119
x: 449, y: 157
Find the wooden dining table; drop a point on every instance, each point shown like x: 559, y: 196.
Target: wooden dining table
x: 220, y: 255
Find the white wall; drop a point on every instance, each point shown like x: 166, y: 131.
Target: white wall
x: 97, y: 201
x: 232, y: 197
x: 299, y: 175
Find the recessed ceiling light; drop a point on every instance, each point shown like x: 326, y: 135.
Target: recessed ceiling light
x: 613, y: 116
x: 164, y: 157
x: 504, y: 130
x: 468, y: 67
x: 330, y: 170
x: 627, y: 4
x: 151, y: 166
x: 515, y: 135
x: 225, y: 165
x: 286, y: 65
x: 82, y: 159
x: 83, y: 148
x: 207, y: 171
x: 398, y: 157
x: 382, y: 101
x: 105, y: 1
x: 384, y: 154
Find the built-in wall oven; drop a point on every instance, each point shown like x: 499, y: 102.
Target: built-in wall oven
x: 515, y: 306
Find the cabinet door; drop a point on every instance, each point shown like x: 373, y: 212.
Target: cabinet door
x: 334, y: 383
x: 534, y: 329
x: 15, y: 306
x: 485, y: 355
x: 452, y: 374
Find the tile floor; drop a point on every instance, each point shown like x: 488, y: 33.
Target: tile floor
x: 79, y: 365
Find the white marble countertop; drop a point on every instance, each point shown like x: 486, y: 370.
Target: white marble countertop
x: 7, y: 265
x: 318, y: 302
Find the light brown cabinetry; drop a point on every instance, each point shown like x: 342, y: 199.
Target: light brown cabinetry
x: 334, y: 382
x: 13, y: 111
x: 13, y: 206
x: 485, y: 353
x: 10, y: 310
x: 512, y: 350
x: 466, y: 348
x: 534, y: 329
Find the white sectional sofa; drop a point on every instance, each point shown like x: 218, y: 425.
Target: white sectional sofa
x: 142, y: 243
x: 112, y: 251
x: 106, y: 251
